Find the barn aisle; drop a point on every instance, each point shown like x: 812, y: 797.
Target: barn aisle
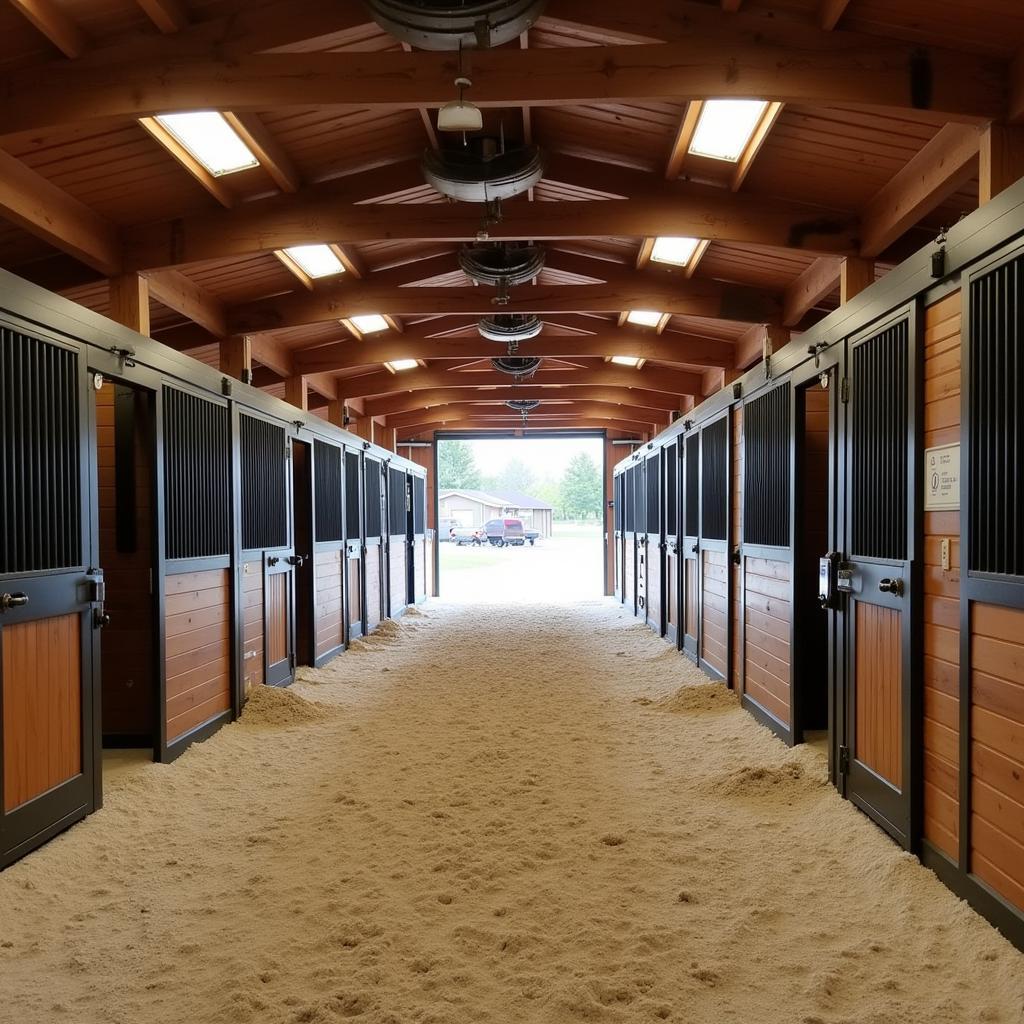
x: 477, y: 821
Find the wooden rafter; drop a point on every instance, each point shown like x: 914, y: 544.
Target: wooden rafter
x: 564, y: 408
x: 830, y: 11
x: 819, y: 280
x: 53, y: 23
x: 945, y: 164
x: 168, y: 15
x: 271, y: 155
x: 840, y: 69
x: 214, y: 185
x: 183, y: 295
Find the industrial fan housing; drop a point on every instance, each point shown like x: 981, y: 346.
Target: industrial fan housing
x: 503, y: 265
x: 447, y: 24
x: 510, y: 328
x: 520, y: 367
x: 522, y: 405
x: 482, y: 174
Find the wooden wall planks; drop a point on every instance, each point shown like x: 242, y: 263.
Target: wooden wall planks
x: 276, y: 625
x: 941, y: 668
x: 715, y: 611
x: 198, y: 649
x: 330, y: 607
x: 997, y: 749
x: 42, y: 706
x: 374, y: 586
x: 766, y: 647
x: 253, y: 668
x: 877, y: 689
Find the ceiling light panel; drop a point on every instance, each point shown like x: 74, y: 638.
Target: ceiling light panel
x: 211, y: 140
x: 627, y: 361
x: 370, y: 323
x: 397, y: 365
x: 725, y: 127
x: 676, y: 251
x: 644, y: 318
x: 315, y: 260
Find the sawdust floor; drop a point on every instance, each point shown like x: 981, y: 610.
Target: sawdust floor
x: 493, y: 815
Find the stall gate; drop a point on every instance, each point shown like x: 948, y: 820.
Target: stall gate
x: 423, y: 549
x: 398, y: 553
x: 653, y: 546
x: 618, y: 527
x: 375, y: 572
x: 715, y: 467
x: 629, y: 540
x: 329, y: 556
x: 670, y: 545
x: 640, y: 551
x: 355, y: 592
x: 689, y: 480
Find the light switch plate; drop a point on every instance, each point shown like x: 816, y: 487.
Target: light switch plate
x: 945, y: 552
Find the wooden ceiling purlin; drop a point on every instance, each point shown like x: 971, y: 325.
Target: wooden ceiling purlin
x: 784, y: 62
x: 561, y: 410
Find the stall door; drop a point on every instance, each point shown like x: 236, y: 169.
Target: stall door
x: 691, y: 547
x: 877, y: 575
x: 374, y: 544
x: 267, y: 539
x: 670, y: 504
x: 640, y: 537
x: 654, y: 549
x: 48, y: 732
x: 354, y: 580
x: 398, y: 541
x: 618, y: 533
x: 423, y: 563
x: 629, y: 539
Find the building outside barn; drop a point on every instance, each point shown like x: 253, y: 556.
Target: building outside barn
x: 466, y: 507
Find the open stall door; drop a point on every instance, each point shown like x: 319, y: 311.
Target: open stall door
x: 689, y: 641
x: 422, y: 542
x: 878, y: 574
x: 617, y: 524
x: 654, y: 548
x: 670, y: 506
x: 268, y: 558
x: 354, y: 578
x: 629, y: 539
x: 640, y: 538
x: 715, y: 473
x: 50, y: 601
x: 397, y: 534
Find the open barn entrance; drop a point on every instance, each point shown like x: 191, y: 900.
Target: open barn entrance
x: 521, y: 519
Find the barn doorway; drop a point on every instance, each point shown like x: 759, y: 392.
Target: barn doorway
x: 127, y: 557
x: 521, y: 519
x: 305, y: 582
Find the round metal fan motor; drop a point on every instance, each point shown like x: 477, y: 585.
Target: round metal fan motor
x: 447, y: 24
x: 475, y: 177
x: 520, y: 367
x: 502, y: 265
x: 522, y: 405
x: 510, y: 327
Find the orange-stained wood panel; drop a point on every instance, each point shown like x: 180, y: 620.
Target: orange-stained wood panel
x: 766, y: 649
x: 715, y: 617
x: 941, y: 673
x: 277, y: 618
x: 330, y: 612
x: 41, y: 678
x: 997, y: 749
x: 878, y: 686
x: 253, y: 671
x: 197, y: 653
x: 690, y: 597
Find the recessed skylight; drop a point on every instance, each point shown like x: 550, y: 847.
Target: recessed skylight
x: 396, y: 365
x: 211, y: 140
x: 370, y: 323
x: 644, y: 318
x: 315, y: 260
x: 725, y: 128
x: 627, y: 361
x: 677, y: 251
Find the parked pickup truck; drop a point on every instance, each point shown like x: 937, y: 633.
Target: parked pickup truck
x: 531, y: 535
x: 461, y: 535
x: 505, y: 531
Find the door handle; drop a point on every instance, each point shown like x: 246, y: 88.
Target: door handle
x: 694, y: 548
x: 272, y: 560
x: 12, y: 601
x: 296, y: 560
x: 891, y: 586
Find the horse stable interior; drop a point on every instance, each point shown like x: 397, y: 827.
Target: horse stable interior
x: 259, y: 256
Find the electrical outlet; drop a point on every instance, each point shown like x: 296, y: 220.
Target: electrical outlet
x: 945, y: 552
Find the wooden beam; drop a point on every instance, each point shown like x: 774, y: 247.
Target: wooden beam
x: 408, y: 401
x: 854, y: 276
x: 1001, y: 160
x: 823, y: 69
x: 819, y: 280
x: 129, y: 302
x: 41, y: 208
x: 296, y: 392
x: 273, y: 355
x: 655, y: 379
x: 757, y: 140
x: 325, y: 214
x: 757, y: 342
x: 681, y: 142
x: 53, y: 23
x: 944, y: 165
x: 214, y: 185
x: 696, y: 297
x: 183, y: 295
x: 829, y: 13
x: 1015, y: 113
x: 417, y: 343
x: 513, y: 424
x: 271, y: 155
x: 168, y: 15
x: 591, y: 410
x: 236, y: 357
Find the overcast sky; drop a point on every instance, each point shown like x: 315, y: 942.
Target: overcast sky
x: 547, y: 457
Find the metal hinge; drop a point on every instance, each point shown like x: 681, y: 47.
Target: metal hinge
x: 844, y: 760
x: 844, y: 390
x: 291, y: 660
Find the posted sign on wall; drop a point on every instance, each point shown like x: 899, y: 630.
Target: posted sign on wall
x: 942, y: 478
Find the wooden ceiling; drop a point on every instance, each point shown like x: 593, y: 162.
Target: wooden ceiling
x: 882, y: 109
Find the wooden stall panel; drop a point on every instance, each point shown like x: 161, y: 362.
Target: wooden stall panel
x: 942, y: 356
x: 253, y: 668
x: 628, y: 572
x: 422, y: 561
x: 374, y: 581
x: 767, y: 657
x: 997, y: 749
x: 355, y: 592
x: 671, y: 588
x: 397, y: 574
x: 690, y: 619
x: 878, y: 688
x: 277, y: 617
x: 198, y: 650
x: 42, y: 706
x: 330, y: 610
x: 715, y: 620
x: 737, y: 532
x: 428, y: 568
x: 654, y: 583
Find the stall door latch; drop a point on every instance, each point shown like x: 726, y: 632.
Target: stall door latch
x: 97, y: 597
x: 844, y: 760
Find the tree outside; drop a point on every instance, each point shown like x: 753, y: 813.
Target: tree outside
x: 456, y: 465
x: 582, y: 493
